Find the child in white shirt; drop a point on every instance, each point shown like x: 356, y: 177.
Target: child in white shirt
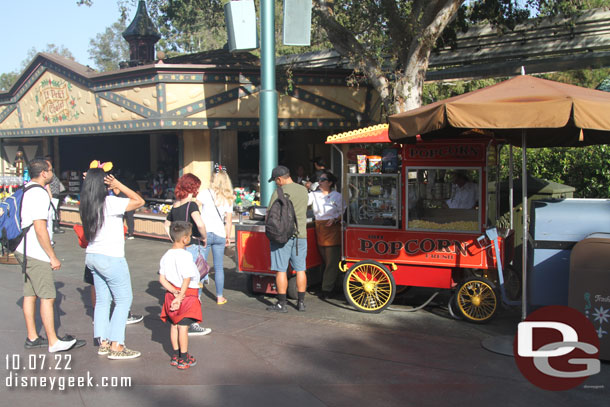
x: 178, y: 274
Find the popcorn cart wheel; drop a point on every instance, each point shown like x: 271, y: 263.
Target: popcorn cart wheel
x: 369, y: 286
x: 476, y: 300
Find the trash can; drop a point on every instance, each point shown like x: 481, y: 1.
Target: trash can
x: 589, y: 290
x: 555, y: 227
x: 536, y: 189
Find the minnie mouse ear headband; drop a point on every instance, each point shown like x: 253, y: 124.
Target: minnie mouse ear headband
x: 107, y: 166
x: 218, y: 168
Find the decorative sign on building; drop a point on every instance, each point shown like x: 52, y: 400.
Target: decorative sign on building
x: 55, y: 103
x: 74, y: 182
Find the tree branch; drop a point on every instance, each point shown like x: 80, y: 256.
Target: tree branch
x: 346, y: 44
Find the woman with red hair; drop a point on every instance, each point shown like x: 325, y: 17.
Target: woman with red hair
x: 185, y: 208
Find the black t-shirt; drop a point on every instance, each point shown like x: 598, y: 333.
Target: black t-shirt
x: 179, y: 213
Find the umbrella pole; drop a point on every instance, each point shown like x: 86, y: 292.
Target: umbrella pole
x: 525, y: 227
x: 503, y: 344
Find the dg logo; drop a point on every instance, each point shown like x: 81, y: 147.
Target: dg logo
x: 556, y: 348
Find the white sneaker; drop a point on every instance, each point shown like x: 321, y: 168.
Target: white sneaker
x: 61, y: 346
x: 195, y: 329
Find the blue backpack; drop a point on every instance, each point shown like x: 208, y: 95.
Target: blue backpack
x: 11, y: 232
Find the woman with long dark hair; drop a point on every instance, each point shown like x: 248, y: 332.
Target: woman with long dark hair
x: 102, y: 218
x: 186, y: 209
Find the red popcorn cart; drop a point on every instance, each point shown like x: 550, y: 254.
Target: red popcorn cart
x: 427, y: 219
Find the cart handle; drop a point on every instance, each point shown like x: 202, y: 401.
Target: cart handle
x: 481, y: 242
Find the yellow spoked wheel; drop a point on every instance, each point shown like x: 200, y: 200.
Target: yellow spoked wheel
x: 477, y: 300
x: 369, y: 286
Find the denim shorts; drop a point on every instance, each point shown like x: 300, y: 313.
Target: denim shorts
x: 282, y: 254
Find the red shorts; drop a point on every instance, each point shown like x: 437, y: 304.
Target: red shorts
x: 190, y: 307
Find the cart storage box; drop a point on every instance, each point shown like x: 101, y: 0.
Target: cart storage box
x: 556, y: 226
x: 589, y: 290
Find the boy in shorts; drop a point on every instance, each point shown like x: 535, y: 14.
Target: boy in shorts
x: 178, y: 274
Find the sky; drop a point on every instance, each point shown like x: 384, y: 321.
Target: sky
x: 36, y: 23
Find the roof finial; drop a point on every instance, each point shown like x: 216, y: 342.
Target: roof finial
x: 141, y: 36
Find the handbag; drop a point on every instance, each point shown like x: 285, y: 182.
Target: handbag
x: 202, y: 266
x: 80, y: 233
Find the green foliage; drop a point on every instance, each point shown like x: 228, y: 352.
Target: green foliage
x: 109, y: 48
x: 7, y: 80
x: 584, y: 168
x: 434, y: 91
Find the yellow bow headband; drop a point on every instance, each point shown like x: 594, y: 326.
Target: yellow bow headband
x: 107, y: 166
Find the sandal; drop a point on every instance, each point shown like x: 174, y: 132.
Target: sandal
x: 221, y: 302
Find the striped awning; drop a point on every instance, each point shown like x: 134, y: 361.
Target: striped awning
x: 373, y: 134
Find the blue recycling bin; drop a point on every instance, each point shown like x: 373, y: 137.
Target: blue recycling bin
x: 556, y: 225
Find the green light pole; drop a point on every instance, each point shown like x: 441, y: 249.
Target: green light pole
x: 268, y: 101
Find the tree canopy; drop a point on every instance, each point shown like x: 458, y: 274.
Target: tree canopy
x: 389, y: 42
x: 109, y: 48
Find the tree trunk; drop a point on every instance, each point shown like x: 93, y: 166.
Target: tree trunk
x: 409, y: 86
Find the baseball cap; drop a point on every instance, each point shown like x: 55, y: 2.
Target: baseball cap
x: 279, y: 171
x: 319, y: 160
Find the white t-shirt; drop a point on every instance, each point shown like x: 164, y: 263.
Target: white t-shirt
x: 213, y: 222
x: 110, y: 239
x: 328, y: 206
x: 176, y: 265
x: 464, y: 197
x: 36, y: 202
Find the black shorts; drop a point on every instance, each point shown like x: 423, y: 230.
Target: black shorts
x: 187, y: 321
x: 88, y: 277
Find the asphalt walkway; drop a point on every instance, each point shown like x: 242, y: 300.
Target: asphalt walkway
x: 327, y: 356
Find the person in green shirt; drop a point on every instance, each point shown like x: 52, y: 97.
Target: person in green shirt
x: 295, y: 250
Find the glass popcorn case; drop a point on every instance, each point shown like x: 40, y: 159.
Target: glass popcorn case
x: 374, y: 200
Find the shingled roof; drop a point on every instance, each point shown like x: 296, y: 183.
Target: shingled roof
x: 219, y: 58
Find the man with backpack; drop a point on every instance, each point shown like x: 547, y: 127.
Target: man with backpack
x: 41, y: 261
x: 286, y: 228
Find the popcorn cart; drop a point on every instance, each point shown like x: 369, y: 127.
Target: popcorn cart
x: 426, y: 218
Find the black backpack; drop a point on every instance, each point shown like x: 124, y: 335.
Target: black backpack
x: 281, y: 221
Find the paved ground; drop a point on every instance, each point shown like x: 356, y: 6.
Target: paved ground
x: 328, y: 356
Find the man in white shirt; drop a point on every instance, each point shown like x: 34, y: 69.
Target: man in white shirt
x: 465, y: 194
x: 41, y: 261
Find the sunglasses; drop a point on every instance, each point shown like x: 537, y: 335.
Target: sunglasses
x: 323, y: 179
